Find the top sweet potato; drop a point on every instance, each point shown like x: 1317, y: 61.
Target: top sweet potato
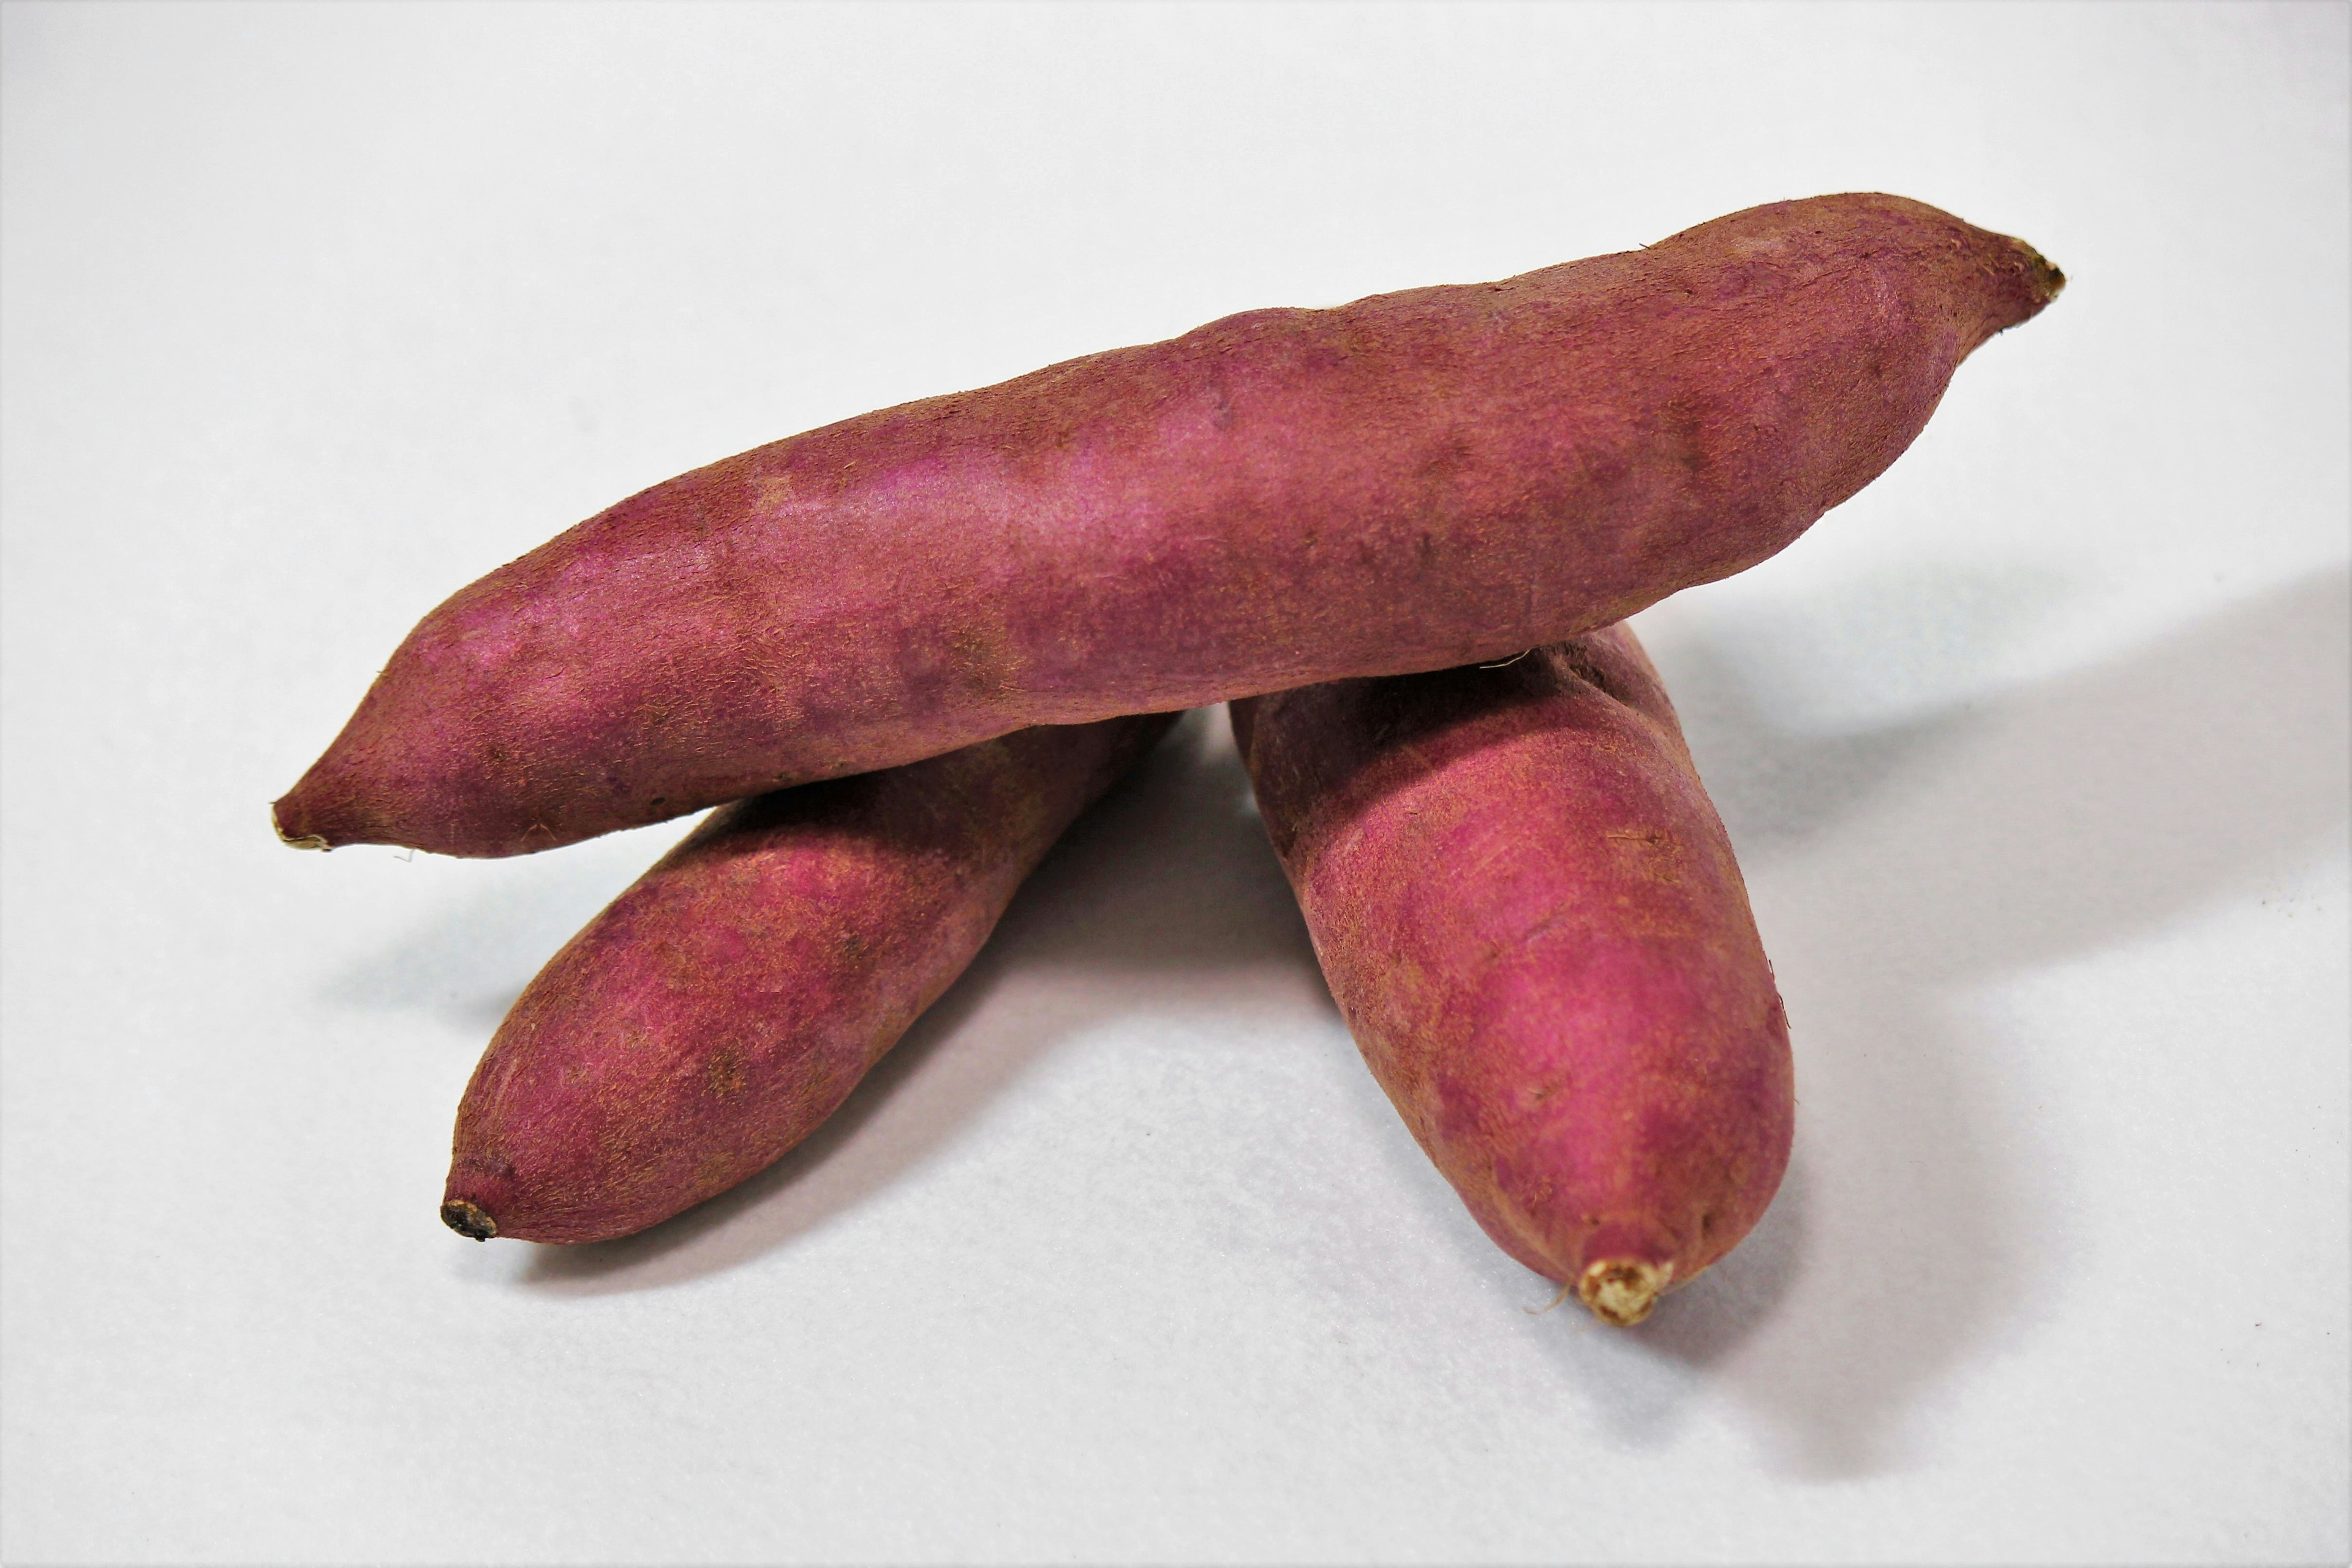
x: 1409, y: 482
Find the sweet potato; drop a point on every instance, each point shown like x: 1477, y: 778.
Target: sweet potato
x: 1407, y: 482
x: 1529, y: 915
x: 726, y: 1004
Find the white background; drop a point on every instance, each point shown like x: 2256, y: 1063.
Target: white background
x: 2036, y: 754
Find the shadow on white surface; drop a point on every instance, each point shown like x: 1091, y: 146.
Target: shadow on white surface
x: 1902, y: 871
x: 466, y: 968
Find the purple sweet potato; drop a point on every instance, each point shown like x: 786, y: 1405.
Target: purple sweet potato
x: 1412, y: 482
x: 1529, y: 915
x: 727, y: 1003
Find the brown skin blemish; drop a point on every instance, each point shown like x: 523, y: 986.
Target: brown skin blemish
x: 1580, y: 661
x: 1550, y: 1088
x: 725, y: 1075
x: 984, y: 661
x: 1663, y: 852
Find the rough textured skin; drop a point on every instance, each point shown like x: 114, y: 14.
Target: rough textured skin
x: 1529, y: 915
x: 727, y: 1003
x: 1407, y: 482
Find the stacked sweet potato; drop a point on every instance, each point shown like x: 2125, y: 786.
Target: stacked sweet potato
x: 1399, y: 535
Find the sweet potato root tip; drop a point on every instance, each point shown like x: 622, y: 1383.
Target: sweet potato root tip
x: 1623, y: 1291
x: 468, y: 1220
x: 2053, y: 282
x: 294, y: 840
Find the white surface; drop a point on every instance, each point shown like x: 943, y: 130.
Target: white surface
x: 2036, y: 753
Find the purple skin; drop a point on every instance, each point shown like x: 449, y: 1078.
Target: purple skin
x: 1529, y: 915
x: 1409, y: 482
x: 726, y: 1004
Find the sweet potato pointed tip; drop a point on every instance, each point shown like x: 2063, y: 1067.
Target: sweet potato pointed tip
x: 2046, y: 275
x: 2044, y: 281
x: 294, y: 840
x: 468, y: 1219
x: 1622, y: 1290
